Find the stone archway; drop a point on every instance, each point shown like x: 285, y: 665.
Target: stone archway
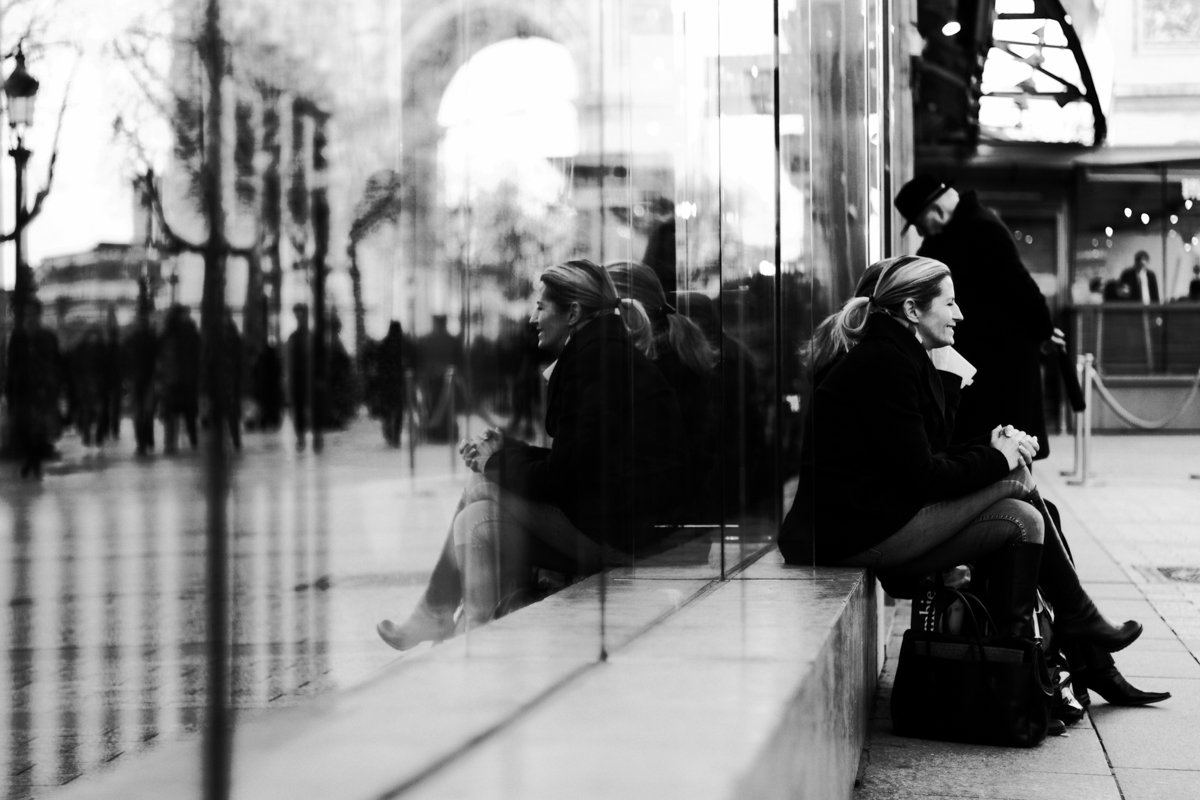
x: 437, y: 42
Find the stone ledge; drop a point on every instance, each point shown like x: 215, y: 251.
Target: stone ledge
x: 758, y: 686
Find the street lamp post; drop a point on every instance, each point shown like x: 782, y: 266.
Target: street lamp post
x: 21, y: 89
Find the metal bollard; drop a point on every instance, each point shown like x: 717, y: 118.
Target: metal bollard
x: 451, y: 419
x: 1083, y: 438
x: 1074, y: 471
x: 411, y: 389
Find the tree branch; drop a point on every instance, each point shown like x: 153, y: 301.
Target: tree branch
x: 176, y: 243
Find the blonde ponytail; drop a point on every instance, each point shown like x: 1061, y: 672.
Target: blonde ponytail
x: 882, y: 289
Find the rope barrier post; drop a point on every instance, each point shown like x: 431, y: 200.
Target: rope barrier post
x: 1089, y: 375
x: 1074, y: 471
x: 411, y: 385
x: 459, y: 383
x: 451, y: 419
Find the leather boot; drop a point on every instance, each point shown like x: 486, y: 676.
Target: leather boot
x: 1112, y: 686
x: 1012, y: 588
x: 1075, y: 614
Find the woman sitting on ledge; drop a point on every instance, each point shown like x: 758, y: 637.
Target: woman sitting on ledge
x: 880, y: 487
x: 683, y: 355
x: 609, y: 477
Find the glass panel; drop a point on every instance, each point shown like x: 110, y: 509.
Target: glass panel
x: 309, y: 410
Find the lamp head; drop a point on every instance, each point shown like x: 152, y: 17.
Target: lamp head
x: 21, y: 89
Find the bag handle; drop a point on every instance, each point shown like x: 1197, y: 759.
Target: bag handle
x: 947, y: 595
x: 941, y: 603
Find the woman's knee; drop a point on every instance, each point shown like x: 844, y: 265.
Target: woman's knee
x: 1020, y: 481
x: 479, y: 488
x: 1028, y: 526
x: 473, y: 525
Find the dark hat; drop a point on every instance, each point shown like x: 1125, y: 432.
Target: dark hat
x: 916, y: 196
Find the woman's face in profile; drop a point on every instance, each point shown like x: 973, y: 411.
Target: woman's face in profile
x: 552, y: 323
x: 936, y: 324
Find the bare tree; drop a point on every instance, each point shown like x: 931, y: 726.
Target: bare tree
x: 379, y: 204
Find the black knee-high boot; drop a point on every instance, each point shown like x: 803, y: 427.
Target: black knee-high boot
x: 1012, y: 581
x: 1075, y: 614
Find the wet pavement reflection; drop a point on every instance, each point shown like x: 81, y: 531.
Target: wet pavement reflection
x: 103, y: 640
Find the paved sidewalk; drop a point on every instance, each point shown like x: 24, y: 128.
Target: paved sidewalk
x: 1135, y: 532
x: 102, y: 643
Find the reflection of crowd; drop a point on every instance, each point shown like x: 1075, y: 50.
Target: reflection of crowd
x: 87, y: 383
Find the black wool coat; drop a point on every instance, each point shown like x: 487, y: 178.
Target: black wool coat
x: 618, y: 450
x: 876, y: 448
x: 697, y: 396
x: 1006, y: 320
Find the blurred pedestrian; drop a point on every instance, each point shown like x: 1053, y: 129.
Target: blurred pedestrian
x: 437, y: 352
x: 86, y: 364
x: 113, y: 387
x: 1007, y: 319
x: 230, y: 391
x: 342, y: 407
x: 267, y: 375
x: 32, y: 389
x: 179, y: 376
x: 1140, y: 282
x: 527, y: 382
x: 141, y: 359
x: 391, y: 386
x: 1194, y: 286
x: 298, y: 373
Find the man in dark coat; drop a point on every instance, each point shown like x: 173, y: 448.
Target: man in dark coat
x: 141, y: 358
x: 297, y: 364
x: 1006, y: 320
x: 437, y: 352
x: 391, y: 386
x: 32, y: 388
x: 114, y: 390
x: 1141, y: 285
x: 179, y: 376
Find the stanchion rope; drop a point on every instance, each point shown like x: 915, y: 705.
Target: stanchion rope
x: 1138, y: 422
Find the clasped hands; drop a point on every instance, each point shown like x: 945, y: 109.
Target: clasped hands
x: 1016, y: 445
x: 476, y: 452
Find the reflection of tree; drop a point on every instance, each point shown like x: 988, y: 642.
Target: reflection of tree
x: 379, y: 204
x: 509, y: 239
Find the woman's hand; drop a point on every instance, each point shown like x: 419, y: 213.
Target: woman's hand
x: 1004, y: 439
x: 1026, y: 446
x: 476, y: 452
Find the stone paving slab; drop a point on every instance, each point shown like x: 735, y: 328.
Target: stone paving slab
x: 1158, y: 737
x: 1158, y: 784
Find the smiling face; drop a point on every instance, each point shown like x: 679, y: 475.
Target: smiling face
x: 935, y: 325
x: 553, y: 323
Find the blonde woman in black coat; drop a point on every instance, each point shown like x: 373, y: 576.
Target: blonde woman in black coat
x: 597, y: 493
x: 880, y: 486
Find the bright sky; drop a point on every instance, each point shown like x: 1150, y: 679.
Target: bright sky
x: 91, y: 200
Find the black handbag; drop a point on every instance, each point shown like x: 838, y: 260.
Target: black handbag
x: 971, y: 687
